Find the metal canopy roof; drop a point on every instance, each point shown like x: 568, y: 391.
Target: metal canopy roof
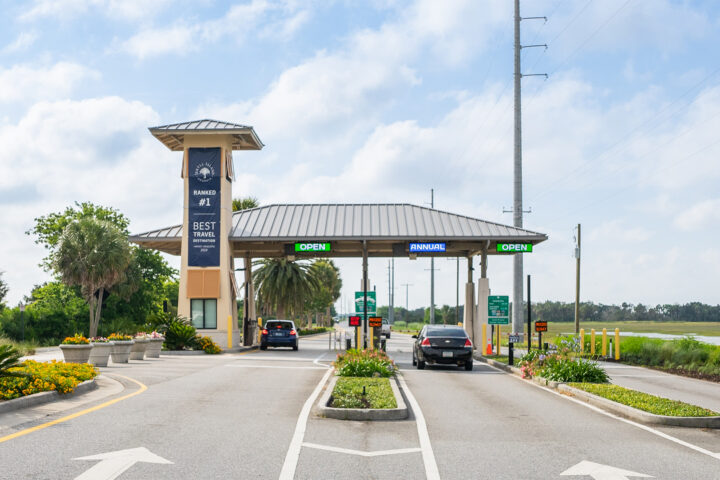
x: 173, y: 136
x: 266, y: 231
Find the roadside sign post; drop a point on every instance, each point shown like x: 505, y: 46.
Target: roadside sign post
x: 539, y: 328
x: 354, y: 322
x: 498, y: 313
x: 375, y: 327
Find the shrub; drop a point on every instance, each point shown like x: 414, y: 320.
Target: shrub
x: 208, y: 346
x: 9, y: 361
x: 574, y: 370
x: 312, y: 330
x: 34, y: 377
x: 364, y: 363
x: 180, y: 336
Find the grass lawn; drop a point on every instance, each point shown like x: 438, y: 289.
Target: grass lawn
x: 672, y: 328
x: 348, y: 393
x: 644, y: 401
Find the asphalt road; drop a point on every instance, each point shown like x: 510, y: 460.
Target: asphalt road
x: 248, y: 416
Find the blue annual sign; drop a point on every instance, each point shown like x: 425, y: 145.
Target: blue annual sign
x: 417, y: 247
x: 204, y: 165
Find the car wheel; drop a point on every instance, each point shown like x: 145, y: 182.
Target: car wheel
x: 420, y: 365
x: 388, y: 336
x: 263, y: 347
x: 414, y: 361
x: 295, y: 347
x: 468, y: 365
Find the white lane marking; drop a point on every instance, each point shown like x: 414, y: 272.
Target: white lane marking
x: 114, y: 464
x: 317, y: 361
x: 261, y: 358
x: 361, y: 453
x: 293, y: 453
x: 275, y: 366
x: 601, y: 472
x: 431, y: 469
x: 625, y: 420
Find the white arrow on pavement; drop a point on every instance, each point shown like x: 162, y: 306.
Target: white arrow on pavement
x: 601, y: 472
x: 113, y: 464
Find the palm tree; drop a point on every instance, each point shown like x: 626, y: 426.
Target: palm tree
x: 10, y: 358
x: 94, y: 255
x: 244, y: 203
x: 283, y: 285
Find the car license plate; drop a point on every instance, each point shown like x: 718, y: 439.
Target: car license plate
x: 277, y: 334
x: 447, y: 354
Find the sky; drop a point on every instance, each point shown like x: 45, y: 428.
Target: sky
x: 375, y: 101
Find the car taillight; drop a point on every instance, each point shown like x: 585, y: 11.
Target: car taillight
x: 293, y: 332
x: 425, y: 342
x: 264, y: 331
x: 468, y: 343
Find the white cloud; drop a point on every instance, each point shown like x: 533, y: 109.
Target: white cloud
x: 114, y: 9
x: 699, y: 216
x: 21, y: 83
x: 281, y: 19
x: 23, y: 41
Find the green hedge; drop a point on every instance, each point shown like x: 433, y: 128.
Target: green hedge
x: 313, y: 330
x: 644, y: 401
x: 348, y: 393
x: 684, y: 354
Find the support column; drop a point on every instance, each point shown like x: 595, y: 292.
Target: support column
x: 481, y: 317
x: 248, y: 305
x: 365, y: 290
x: 469, y: 303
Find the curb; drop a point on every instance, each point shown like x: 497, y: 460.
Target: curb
x: 362, y: 414
x: 45, y: 397
x: 201, y: 352
x: 639, y: 415
x: 619, y: 409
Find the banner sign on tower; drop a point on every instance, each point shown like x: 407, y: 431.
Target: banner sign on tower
x: 204, y: 207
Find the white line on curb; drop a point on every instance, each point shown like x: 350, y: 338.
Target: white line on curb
x: 625, y: 420
x: 431, y: 469
x: 293, y: 453
x: 361, y: 453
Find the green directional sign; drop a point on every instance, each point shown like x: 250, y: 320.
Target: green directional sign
x: 359, y: 303
x: 312, y: 247
x: 498, y: 310
x: 514, y: 247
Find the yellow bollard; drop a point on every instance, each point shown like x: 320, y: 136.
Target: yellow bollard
x: 229, y: 331
x: 582, y: 340
x: 592, y: 341
x: 617, y: 344
x: 498, y: 341
x: 260, y: 326
x: 483, y: 345
x: 604, y: 342
x: 460, y: 324
x: 371, y: 332
x: 358, y: 342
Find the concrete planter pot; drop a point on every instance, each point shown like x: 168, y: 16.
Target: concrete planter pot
x: 138, y: 349
x: 100, y: 353
x: 76, y: 353
x: 121, y: 351
x: 154, y: 347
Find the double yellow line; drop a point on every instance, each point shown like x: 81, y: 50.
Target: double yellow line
x: 21, y: 433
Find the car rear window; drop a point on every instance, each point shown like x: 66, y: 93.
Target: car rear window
x: 283, y: 325
x: 446, y: 332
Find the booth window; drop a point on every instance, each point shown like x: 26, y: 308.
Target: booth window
x: 204, y: 312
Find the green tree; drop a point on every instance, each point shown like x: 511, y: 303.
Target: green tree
x: 329, y: 284
x: 48, y: 229
x: 92, y: 254
x: 244, y: 203
x: 283, y: 286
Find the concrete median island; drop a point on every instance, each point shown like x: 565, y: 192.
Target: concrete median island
x: 326, y: 409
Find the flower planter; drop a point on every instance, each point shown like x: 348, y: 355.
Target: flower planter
x: 138, y: 349
x: 121, y: 351
x: 100, y: 353
x: 154, y: 347
x: 76, y: 353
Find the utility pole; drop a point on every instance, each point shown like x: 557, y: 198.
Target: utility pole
x: 391, y: 291
x: 407, y: 311
x: 517, y: 311
x: 577, y: 282
x: 432, y: 270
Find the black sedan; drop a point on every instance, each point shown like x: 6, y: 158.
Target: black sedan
x: 443, y: 345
